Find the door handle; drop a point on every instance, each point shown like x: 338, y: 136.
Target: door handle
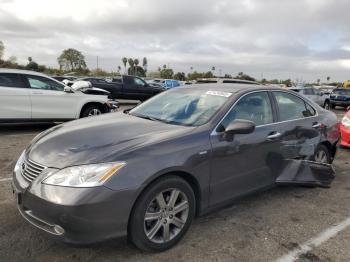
x: 37, y: 93
x: 274, y: 135
x: 316, y: 125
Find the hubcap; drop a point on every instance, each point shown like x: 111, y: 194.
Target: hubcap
x: 95, y: 112
x: 166, y: 215
x: 321, y: 157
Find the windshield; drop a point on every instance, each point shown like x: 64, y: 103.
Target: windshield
x: 342, y: 91
x: 183, y: 106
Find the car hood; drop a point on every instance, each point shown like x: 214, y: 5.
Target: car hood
x: 98, y: 139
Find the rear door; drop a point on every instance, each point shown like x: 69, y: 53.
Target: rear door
x: 14, y: 97
x: 300, y: 128
x: 49, y: 101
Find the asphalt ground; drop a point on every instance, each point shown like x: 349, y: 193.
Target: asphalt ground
x: 286, y: 223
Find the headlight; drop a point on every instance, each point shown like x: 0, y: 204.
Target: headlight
x: 345, y: 121
x: 19, y: 163
x: 84, y: 175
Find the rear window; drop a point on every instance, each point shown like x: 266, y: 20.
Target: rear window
x: 11, y: 80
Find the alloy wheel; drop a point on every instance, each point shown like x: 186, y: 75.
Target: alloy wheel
x: 166, y: 215
x: 321, y: 157
x: 95, y: 112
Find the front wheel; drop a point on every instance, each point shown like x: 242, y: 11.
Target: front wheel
x: 162, y: 214
x: 327, y: 105
x: 91, y: 110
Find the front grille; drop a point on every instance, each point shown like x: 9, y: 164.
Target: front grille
x: 30, y: 170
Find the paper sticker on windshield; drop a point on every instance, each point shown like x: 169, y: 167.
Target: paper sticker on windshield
x: 218, y: 93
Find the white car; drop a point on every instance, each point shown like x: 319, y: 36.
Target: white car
x: 314, y: 94
x: 32, y: 96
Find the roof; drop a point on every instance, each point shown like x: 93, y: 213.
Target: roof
x: 20, y: 71
x: 230, y: 87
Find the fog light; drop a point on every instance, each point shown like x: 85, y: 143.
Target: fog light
x: 59, y: 230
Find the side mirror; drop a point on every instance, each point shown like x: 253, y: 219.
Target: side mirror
x: 68, y: 89
x: 240, y: 126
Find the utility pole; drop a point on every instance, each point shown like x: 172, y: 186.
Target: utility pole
x: 97, y: 63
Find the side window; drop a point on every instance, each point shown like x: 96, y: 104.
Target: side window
x: 255, y: 107
x: 11, y: 80
x: 308, y: 91
x: 40, y: 82
x: 292, y: 107
x: 317, y: 91
x: 139, y: 82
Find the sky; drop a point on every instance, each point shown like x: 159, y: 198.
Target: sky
x: 273, y: 39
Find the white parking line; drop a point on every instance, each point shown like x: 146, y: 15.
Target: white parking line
x: 315, y: 242
x: 6, y: 179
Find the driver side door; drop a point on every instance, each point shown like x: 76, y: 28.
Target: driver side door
x: 241, y: 165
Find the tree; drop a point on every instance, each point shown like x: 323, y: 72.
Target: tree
x: 166, y: 73
x: 328, y: 78
x: 227, y: 76
x: 2, y: 49
x: 180, y: 76
x: 119, y: 68
x: 13, y: 59
x: 164, y: 66
x: 318, y: 81
x: 136, y: 64
x: 71, y: 59
x: 131, y: 66
x: 32, y: 65
x: 136, y: 70
x: 243, y: 76
x: 144, y: 64
x: 125, y: 60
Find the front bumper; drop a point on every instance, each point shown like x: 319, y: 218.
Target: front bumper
x: 74, y: 215
x: 345, y: 136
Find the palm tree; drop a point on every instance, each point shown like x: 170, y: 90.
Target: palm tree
x: 131, y: 64
x: 328, y: 78
x: 144, y: 64
x: 164, y: 66
x: 125, y: 60
x: 136, y: 63
x: 119, y: 68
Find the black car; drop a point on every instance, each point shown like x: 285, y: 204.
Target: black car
x: 126, y: 87
x: 149, y: 171
x: 340, y: 97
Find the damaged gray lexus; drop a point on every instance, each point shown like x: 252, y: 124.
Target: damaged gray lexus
x: 148, y: 172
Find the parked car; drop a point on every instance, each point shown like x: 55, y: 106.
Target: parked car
x: 170, y: 83
x: 126, y: 87
x: 225, y: 81
x: 345, y: 129
x: 32, y: 96
x: 182, y: 153
x: 61, y: 78
x: 340, y: 97
x: 315, y: 95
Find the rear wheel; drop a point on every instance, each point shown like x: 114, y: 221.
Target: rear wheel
x: 322, y: 155
x: 162, y: 214
x: 332, y: 106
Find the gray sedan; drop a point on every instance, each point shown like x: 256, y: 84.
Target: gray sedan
x: 148, y: 172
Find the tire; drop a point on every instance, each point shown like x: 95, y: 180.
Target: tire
x: 148, y: 234
x: 91, y: 110
x: 327, y: 105
x: 322, y: 155
x: 332, y: 106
